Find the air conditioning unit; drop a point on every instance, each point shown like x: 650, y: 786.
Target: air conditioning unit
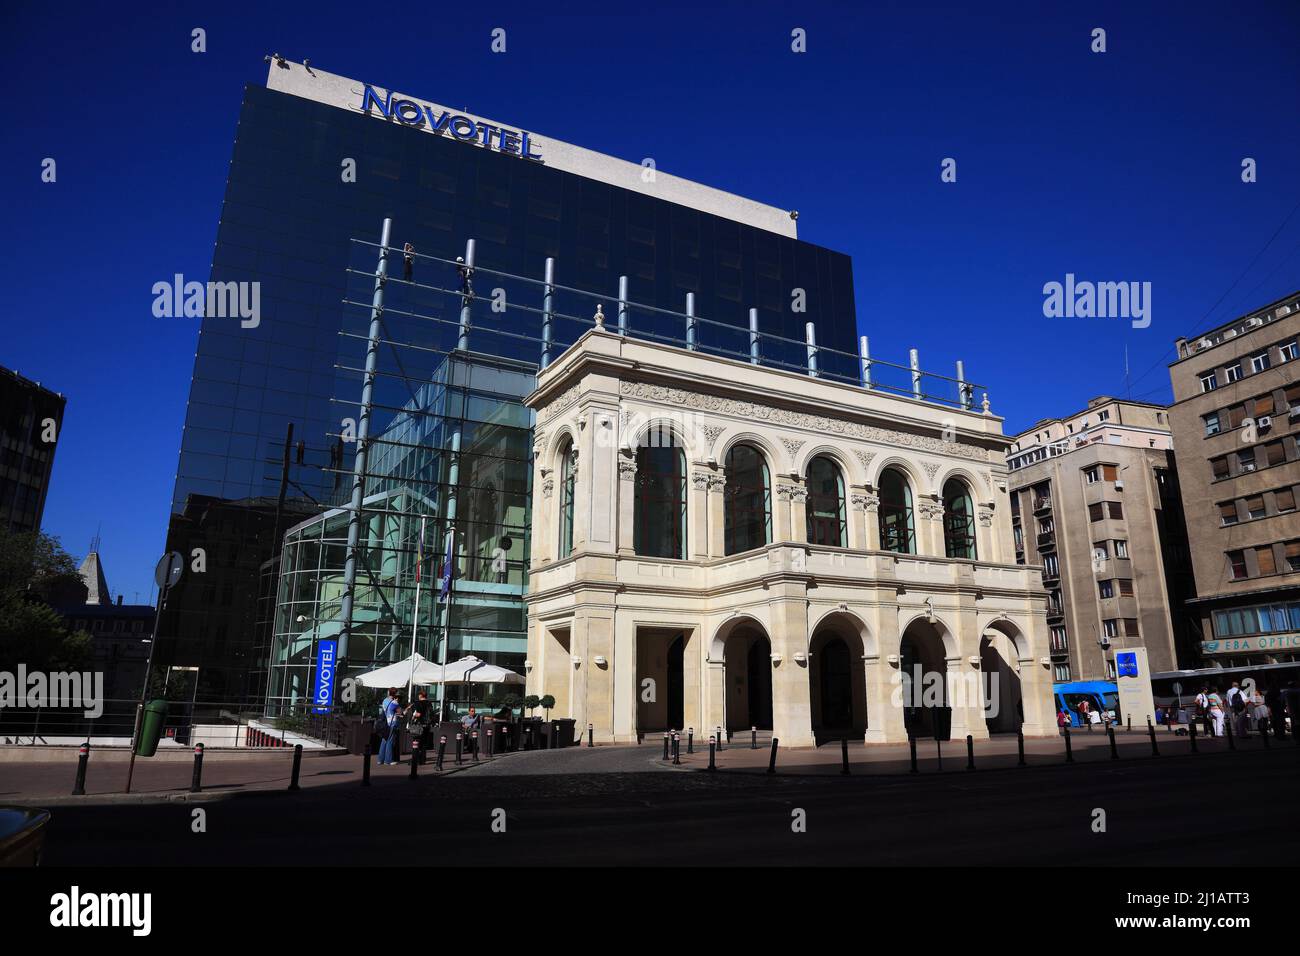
x: 1105, y: 641
x: 1294, y: 412
x: 1203, y: 344
x: 1265, y: 422
x: 1119, y: 484
x: 1254, y: 322
x: 1231, y: 333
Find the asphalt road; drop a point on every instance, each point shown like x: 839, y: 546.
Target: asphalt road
x: 1182, y: 811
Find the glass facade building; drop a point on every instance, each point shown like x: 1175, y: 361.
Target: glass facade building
x: 291, y: 221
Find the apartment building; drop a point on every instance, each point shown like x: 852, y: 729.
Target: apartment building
x: 1236, y: 419
x: 1095, y: 502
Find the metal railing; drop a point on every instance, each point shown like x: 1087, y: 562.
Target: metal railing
x: 685, y: 328
x: 218, y: 724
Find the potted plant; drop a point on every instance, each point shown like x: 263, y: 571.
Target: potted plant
x: 546, y: 703
x: 532, y: 702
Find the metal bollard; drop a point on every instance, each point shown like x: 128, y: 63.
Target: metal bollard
x: 460, y: 745
x: 677, y: 749
x: 1191, y: 733
x: 1020, y: 748
x: 771, y: 761
x: 83, y: 758
x: 911, y: 745
x: 970, y: 752
x: 1069, y: 750
x: 1232, y: 742
x: 365, y: 767
x: 720, y: 747
x: 1151, y: 732
x: 690, y: 740
x: 473, y: 743
x: 591, y: 736
x: 415, y: 762
x: 490, y: 747
x: 297, y: 766
x: 753, y: 738
x: 844, y: 756
x: 713, y: 743
x: 1114, y: 750
x: 667, y: 744
x: 1130, y: 723
x: 442, y: 748
x: 196, y: 784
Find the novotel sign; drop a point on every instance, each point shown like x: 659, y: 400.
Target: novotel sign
x: 444, y: 122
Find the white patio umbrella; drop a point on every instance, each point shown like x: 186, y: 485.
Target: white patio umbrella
x: 416, y: 669
x: 471, y: 670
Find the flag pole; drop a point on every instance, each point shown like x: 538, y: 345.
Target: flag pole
x: 415, y: 621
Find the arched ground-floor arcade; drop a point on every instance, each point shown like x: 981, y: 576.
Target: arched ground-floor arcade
x: 809, y: 670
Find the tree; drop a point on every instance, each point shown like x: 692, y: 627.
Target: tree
x: 532, y: 702
x: 36, y: 573
x: 546, y: 703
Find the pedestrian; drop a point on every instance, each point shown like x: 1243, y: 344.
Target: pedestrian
x: 419, y: 714
x: 390, y: 710
x: 1216, y: 711
x: 408, y: 261
x: 1062, y: 720
x: 1084, y: 720
x: 1239, y: 708
x: 1203, y: 708
x: 1276, y: 720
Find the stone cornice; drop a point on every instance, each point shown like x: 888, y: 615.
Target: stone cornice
x: 817, y: 423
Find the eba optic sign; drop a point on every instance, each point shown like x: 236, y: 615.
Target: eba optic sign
x: 410, y: 113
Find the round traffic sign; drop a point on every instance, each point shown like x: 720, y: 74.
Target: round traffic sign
x: 170, y: 567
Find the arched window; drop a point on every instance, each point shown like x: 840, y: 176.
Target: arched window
x: 748, y: 517
x: 659, y: 520
x: 958, y: 520
x: 897, y: 529
x: 826, y: 512
x: 568, y: 476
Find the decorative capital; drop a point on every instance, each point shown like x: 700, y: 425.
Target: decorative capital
x: 867, y: 501
x: 548, y: 487
x: 717, y: 483
x: 700, y: 480
x: 627, y: 469
x: 985, y: 517
x: 931, y: 510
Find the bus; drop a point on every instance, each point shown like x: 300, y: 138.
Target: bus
x: 1102, y: 696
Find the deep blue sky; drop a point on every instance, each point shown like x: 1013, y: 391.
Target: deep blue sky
x: 1115, y: 166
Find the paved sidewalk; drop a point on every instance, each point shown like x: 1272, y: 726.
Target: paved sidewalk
x: 995, y: 753
x: 50, y: 783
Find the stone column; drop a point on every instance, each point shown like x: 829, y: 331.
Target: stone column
x: 966, y: 698
x: 884, y: 713
x: 781, y: 510
x: 622, y: 668
x: 697, y: 517
x: 626, y: 504
x: 798, y: 509
x: 791, y: 699
x: 543, y: 536
x: 988, y: 547
x: 717, y: 515
x: 929, y: 526
x: 715, y: 712
x: 868, y: 503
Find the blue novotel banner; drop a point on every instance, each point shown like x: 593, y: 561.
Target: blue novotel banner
x: 323, y: 682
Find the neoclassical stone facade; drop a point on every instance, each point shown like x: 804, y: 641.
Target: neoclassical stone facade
x: 720, y: 544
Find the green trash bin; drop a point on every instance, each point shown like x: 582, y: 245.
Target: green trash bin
x: 151, y: 728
